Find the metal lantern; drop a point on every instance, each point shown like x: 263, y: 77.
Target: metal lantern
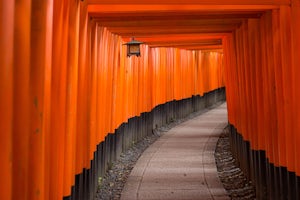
x: 133, y: 47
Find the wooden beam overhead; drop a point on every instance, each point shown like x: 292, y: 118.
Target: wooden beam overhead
x: 195, y: 47
x: 173, y: 30
x: 181, y: 41
x: 168, y: 15
x: 175, y: 27
x: 142, y: 8
x: 187, y: 42
x: 179, y: 36
x: 170, y: 38
x: 203, y: 47
x: 203, y: 2
x: 169, y: 23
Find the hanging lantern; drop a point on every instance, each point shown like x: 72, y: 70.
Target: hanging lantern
x: 133, y: 47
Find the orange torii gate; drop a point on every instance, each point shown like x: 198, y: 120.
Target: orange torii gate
x: 65, y: 80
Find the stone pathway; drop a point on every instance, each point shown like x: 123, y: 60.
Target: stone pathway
x: 181, y: 163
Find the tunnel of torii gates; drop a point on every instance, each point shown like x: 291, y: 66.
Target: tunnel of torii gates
x: 67, y: 88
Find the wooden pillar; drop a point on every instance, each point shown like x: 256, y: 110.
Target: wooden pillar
x: 71, y: 96
x: 295, y: 14
x: 287, y: 81
x: 6, y: 96
x: 40, y: 84
x: 58, y: 98
x: 21, y: 100
x: 82, y: 106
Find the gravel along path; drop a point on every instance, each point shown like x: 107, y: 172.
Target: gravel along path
x: 230, y: 174
x: 111, y: 185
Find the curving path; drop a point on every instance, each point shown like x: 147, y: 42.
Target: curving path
x: 181, y: 163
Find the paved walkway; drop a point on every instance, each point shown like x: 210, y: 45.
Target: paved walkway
x: 181, y: 163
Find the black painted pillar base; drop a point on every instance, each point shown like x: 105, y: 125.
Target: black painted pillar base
x: 271, y: 182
